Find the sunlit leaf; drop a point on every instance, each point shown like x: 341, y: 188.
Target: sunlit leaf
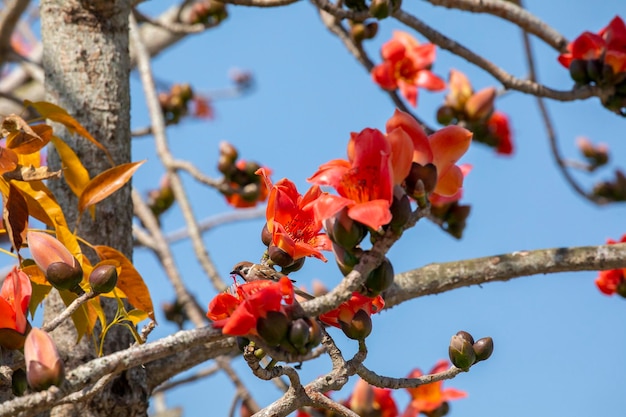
x: 32, y: 159
x: 74, y: 172
x: 26, y: 142
x: 106, y: 183
x: 129, y: 280
x: 36, y: 275
x: 15, y: 216
x: 8, y: 160
x: 137, y: 316
x: 40, y: 292
x: 59, y: 115
x: 96, y: 308
x: 80, y: 317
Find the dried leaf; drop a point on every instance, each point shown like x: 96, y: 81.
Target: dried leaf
x: 106, y: 183
x: 30, y: 173
x: 74, y: 172
x: 8, y: 160
x: 59, y: 115
x: 129, y: 280
x: 14, y: 123
x: 31, y: 141
x: 15, y: 215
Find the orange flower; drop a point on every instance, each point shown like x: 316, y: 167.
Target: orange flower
x: 346, y: 311
x: 429, y: 397
x: 365, y: 182
x: 406, y: 66
x: 236, y: 313
x: 14, y: 299
x: 609, y: 281
x: 442, y: 149
x: 367, y: 400
x: 609, y: 44
x: 291, y: 219
x: 498, y: 125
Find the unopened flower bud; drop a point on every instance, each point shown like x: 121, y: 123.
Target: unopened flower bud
x: 228, y: 150
x: 19, y: 384
x: 279, y: 256
x: 251, y: 192
x: 594, y: 70
x: 299, y: 335
x: 242, y: 342
x: 380, y: 8
x: 578, y: 71
x: 480, y: 105
x: 266, y: 235
x: 379, y: 279
x: 357, y: 32
x: 461, y: 352
x: 445, y: 115
x: 273, y: 327
x: 61, y: 269
x: 103, y: 278
x: 346, y: 260
x: 345, y: 231
x: 371, y: 29
x: 400, y: 209
x: 425, y: 173
x: 63, y: 276
x: 359, y: 327
x: 465, y: 335
x: 483, y: 348
x: 295, y: 266
x: 43, y: 363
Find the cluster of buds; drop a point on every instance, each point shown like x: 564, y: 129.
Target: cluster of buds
x: 614, y: 190
x: 360, y: 31
x: 600, y: 59
x: 60, y: 267
x: 464, y: 352
x: 208, y: 12
x: 453, y: 217
x: 596, y: 155
x: 294, y: 336
x: 176, y: 104
x: 475, y: 111
x: 161, y: 199
x: 241, y: 186
x: 380, y: 9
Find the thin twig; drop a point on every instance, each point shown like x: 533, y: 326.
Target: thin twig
x: 75, y: 305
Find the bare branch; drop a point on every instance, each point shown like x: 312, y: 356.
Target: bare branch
x: 396, y: 383
x: 9, y: 16
x: 75, y: 305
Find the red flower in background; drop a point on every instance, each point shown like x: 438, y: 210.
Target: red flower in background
x: 498, y: 125
x: 14, y: 299
x: 237, y: 313
x: 365, y: 182
x: 240, y: 200
x: 406, y: 65
x: 608, y: 282
x: 442, y: 149
x: 608, y: 44
x: 429, y: 397
x: 291, y: 219
x: 367, y: 400
x: 346, y: 311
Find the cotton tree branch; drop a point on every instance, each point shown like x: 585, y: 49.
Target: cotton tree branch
x: 9, y: 16
x: 438, y: 278
x: 260, y: 3
x: 514, y: 14
x: 396, y: 383
x: 75, y: 305
x: 507, y: 80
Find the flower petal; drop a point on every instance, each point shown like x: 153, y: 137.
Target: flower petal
x: 448, y: 145
x: 373, y: 214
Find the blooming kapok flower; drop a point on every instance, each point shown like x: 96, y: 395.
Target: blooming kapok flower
x: 236, y: 313
x: 368, y: 400
x: 498, y: 125
x: 609, y: 281
x: 291, y: 219
x: 608, y: 44
x: 365, y: 182
x: 442, y: 149
x: 14, y: 299
x: 346, y: 311
x: 429, y: 397
x: 406, y: 65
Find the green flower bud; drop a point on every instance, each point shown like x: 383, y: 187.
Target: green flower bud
x: 273, y: 327
x: 279, y: 256
x: 445, y: 115
x: 103, y: 278
x: 465, y: 335
x: 461, y: 352
x: 63, y: 276
x: 578, y: 71
x: 380, y: 8
x: 299, y: 335
x: 359, y: 327
x: 295, y: 266
x: 19, y: 384
x: 379, y: 279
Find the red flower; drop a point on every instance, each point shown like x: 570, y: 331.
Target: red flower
x: 498, y: 125
x: 237, y: 313
x: 365, y: 182
x: 367, y: 400
x: 291, y: 219
x: 429, y: 397
x: 239, y: 200
x: 443, y: 149
x: 346, y: 311
x: 609, y: 281
x: 609, y: 44
x: 14, y: 299
x: 406, y: 66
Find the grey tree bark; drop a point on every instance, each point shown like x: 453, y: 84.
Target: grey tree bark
x: 87, y: 65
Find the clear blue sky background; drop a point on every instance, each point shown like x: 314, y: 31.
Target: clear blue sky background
x: 559, y: 343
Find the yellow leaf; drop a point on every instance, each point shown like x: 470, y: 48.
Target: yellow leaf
x: 74, y: 172
x: 129, y: 280
x: 39, y: 293
x: 106, y: 183
x: 32, y: 159
x: 136, y: 316
x: 27, y: 142
x: 80, y: 317
x: 96, y: 308
x: 59, y: 115
x: 35, y: 275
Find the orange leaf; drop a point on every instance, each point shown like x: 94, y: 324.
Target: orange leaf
x: 8, y: 160
x: 58, y: 114
x: 74, y: 172
x: 129, y: 280
x: 106, y: 183
x: 15, y: 215
x: 36, y: 275
x: 27, y: 142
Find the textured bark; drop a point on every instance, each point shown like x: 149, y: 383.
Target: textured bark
x: 87, y: 65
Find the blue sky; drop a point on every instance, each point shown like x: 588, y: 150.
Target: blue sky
x: 558, y: 341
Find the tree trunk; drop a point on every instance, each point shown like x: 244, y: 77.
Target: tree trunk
x: 87, y: 66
